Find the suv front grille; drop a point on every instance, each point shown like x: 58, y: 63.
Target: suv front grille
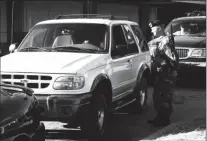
x: 31, y: 81
x: 182, y: 53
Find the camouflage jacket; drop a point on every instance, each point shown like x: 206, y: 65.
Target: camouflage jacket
x: 165, y: 56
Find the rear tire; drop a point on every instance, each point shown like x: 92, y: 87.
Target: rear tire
x: 93, y: 123
x: 22, y: 137
x: 140, y: 93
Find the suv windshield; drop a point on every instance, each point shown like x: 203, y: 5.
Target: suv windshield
x: 188, y: 27
x: 67, y: 38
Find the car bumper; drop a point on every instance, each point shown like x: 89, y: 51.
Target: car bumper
x: 35, y: 133
x: 192, y: 66
x: 63, y: 107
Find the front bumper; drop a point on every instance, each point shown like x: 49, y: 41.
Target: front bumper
x: 192, y: 64
x: 61, y: 107
x: 192, y: 67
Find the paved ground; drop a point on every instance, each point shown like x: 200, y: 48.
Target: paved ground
x: 125, y: 127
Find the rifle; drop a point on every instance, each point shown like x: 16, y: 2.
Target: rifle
x: 172, y: 38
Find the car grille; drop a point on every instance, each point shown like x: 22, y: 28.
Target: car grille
x: 31, y: 81
x: 182, y: 53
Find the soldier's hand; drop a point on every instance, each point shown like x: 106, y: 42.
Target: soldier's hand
x: 159, y: 69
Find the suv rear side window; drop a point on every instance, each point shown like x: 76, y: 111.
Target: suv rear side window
x: 142, y: 42
x: 132, y: 46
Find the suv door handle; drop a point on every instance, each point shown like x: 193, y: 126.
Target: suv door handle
x: 129, y: 61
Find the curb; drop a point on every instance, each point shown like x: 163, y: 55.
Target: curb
x: 161, y: 131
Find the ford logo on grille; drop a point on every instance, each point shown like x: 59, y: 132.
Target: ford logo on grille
x: 24, y: 81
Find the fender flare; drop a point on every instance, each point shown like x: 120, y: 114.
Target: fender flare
x: 142, y: 69
x: 98, y: 79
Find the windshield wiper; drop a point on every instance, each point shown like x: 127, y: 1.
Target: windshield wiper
x: 72, y: 48
x: 33, y: 48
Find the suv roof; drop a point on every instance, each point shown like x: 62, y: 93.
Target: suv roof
x: 190, y: 18
x: 89, y: 18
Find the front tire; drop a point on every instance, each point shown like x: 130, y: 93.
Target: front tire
x: 94, y: 122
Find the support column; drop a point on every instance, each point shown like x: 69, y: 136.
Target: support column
x: 14, y: 14
x: 9, y: 20
x: 18, y: 21
x: 90, y: 7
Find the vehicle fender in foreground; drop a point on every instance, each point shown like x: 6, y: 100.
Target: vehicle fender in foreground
x: 143, y: 71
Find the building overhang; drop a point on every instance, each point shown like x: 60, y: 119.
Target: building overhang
x: 202, y: 2
x: 169, y: 2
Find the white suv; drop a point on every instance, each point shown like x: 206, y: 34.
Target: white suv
x: 80, y: 68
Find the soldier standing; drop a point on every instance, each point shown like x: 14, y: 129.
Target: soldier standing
x: 165, y: 59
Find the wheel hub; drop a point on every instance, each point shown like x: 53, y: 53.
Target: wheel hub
x: 101, y: 115
x: 142, y: 97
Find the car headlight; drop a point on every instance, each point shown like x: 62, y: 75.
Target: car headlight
x: 204, y: 53
x: 197, y: 53
x: 69, y: 83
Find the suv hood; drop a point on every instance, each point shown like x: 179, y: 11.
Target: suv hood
x: 186, y: 41
x: 48, y: 62
x: 190, y: 41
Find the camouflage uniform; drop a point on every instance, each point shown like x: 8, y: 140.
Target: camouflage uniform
x: 165, y: 59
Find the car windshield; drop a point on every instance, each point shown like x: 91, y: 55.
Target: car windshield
x: 190, y: 27
x: 73, y: 37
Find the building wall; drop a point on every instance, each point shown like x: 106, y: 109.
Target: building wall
x: 147, y: 14
x: 3, y: 29
x: 169, y: 12
x: 131, y: 11
x: 37, y: 11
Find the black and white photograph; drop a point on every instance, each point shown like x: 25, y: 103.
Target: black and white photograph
x: 103, y: 70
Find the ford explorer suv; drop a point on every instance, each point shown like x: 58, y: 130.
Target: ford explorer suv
x: 19, y: 114
x: 81, y: 68
x: 190, y: 43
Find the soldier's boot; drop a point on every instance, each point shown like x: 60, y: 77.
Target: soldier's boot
x: 155, y: 120
x: 152, y: 121
x: 164, y: 121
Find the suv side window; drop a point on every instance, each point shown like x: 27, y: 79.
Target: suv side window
x: 118, y: 38
x: 132, y: 46
x: 142, y: 42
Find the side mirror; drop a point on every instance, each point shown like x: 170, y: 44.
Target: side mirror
x: 121, y: 50
x: 12, y: 48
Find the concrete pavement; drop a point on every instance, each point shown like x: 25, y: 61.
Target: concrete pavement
x: 129, y: 127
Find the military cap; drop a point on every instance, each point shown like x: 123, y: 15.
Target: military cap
x: 155, y: 23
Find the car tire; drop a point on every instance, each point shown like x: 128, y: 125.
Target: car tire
x: 39, y: 134
x: 22, y: 137
x: 140, y: 93
x: 93, y: 123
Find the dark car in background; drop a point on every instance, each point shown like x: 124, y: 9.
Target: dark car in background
x: 190, y: 43
x: 190, y: 40
x: 19, y: 114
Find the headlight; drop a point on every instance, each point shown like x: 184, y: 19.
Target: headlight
x: 69, y: 83
x: 204, y: 53
x: 2, y: 130
x: 197, y: 53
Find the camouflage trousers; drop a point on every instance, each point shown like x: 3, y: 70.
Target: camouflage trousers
x: 162, y: 95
